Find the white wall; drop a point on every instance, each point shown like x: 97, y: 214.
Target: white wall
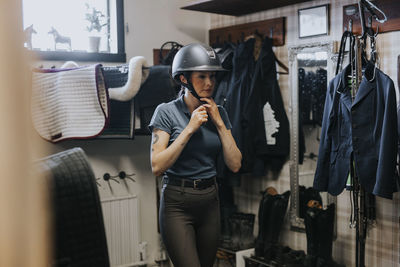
x: 153, y: 22
x: 150, y: 23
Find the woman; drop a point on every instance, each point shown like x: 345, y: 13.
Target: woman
x: 187, y: 135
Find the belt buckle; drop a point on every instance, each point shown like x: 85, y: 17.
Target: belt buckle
x: 195, y: 183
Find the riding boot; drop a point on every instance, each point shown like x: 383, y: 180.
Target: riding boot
x: 263, y: 215
x: 325, y: 222
x: 310, y: 221
x: 234, y: 223
x: 246, y: 230
x: 275, y: 222
x: 307, y: 194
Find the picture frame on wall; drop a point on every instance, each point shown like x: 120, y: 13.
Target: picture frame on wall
x: 313, y: 21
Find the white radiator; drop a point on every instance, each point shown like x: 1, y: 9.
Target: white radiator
x: 121, y: 221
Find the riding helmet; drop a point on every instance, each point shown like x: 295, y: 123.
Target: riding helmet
x: 195, y: 57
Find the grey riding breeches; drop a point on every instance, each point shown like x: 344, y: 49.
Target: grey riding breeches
x: 190, y: 224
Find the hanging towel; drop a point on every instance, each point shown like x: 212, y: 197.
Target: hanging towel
x: 70, y: 103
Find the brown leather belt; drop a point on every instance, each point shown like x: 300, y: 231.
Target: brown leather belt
x: 192, y: 183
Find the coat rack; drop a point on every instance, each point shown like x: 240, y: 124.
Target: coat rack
x: 273, y: 28
x: 389, y: 7
x: 363, y: 202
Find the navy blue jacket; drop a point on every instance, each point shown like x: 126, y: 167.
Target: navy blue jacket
x: 367, y: 127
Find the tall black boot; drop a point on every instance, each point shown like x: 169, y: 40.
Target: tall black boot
x: 310, y: 221
x: 264, y: 211
x: 234, y: 222
x: 325, y: 235
x: 307, y: 194
x: 246, y: 230
x: 325, y: 223
x: 242, y: 226
x: 275, y: 223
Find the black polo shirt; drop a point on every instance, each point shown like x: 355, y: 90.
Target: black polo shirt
x: 198, y: 158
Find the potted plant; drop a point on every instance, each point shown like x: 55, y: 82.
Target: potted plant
x: 97, y: 20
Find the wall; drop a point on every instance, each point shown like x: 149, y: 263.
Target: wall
x: 150, y: 23
x: 382, y: 248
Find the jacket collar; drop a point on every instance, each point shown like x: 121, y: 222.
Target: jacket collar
x: 343, y: 89
x: 365, y: 87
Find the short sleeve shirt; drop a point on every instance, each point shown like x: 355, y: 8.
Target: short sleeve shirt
x: 198, y: 158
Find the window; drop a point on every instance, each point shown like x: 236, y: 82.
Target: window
x: 89, y: 30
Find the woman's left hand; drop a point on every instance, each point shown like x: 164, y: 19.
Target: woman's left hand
x: 212, y: 110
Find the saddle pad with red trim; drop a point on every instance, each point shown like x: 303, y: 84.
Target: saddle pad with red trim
x: 69, y: 103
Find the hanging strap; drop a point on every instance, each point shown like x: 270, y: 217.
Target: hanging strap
x: 342, y: 48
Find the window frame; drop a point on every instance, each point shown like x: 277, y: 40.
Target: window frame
x: 120, y: 56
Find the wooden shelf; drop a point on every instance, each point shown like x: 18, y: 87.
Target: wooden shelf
x: 238, y: 7
x: 273, y: 28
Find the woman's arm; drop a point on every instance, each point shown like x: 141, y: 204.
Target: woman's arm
x: 164, y: 156
x: 232, y: 154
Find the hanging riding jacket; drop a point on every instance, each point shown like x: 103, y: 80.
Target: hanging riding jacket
x: 366, y: 128
x: 267, y: 135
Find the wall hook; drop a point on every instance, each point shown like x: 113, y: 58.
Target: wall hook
x: 107, y: 177
x: 123, y: 175
x: 351, y: 25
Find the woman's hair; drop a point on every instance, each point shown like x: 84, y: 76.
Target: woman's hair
x: 182, y: 91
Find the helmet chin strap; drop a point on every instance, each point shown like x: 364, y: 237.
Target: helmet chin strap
x: 190, y: 87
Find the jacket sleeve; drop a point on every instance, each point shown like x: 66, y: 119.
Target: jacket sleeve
x: 321, y: 178
x: 386, y: 176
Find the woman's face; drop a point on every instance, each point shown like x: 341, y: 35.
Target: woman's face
x: 203, y: 82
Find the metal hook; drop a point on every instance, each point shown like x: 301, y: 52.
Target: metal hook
x: 373, y: 13
x: 362, y: 4
x: 107, y: 177
x: 123, y: 175
x: 351, y: 25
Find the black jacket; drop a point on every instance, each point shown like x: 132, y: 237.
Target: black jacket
x: 267, y: 139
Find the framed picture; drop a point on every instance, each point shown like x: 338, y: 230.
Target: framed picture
x: 314, y: 21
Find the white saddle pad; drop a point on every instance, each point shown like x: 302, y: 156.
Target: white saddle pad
x: 69, y: 103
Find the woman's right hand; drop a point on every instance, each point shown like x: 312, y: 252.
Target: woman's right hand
x: 199, y: 116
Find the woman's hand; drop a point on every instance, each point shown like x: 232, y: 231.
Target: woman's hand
x: 199, y: 116
x: 212, y: 110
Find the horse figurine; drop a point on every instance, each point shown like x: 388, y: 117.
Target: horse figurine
x: 28, y: 31
x: 58, y: 38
